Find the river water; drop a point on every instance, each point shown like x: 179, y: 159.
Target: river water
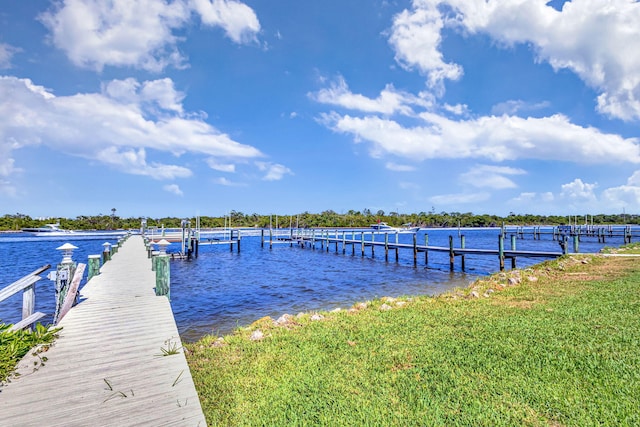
x: 222, y: 289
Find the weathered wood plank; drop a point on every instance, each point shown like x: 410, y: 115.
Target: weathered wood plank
x: 27, y: 321
x: 70, y: 298
x: 18, y: 286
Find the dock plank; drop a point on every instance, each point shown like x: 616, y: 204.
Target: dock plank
x: 107, y: 368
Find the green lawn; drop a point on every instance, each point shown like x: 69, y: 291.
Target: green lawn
x: 562, y: 347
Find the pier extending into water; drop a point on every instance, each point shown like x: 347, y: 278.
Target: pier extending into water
x: 367, y: 239
x: 118, y: 359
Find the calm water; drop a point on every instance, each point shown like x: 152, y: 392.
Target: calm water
x: 221, y: 290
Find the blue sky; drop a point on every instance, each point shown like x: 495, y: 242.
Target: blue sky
x: 184, y: 107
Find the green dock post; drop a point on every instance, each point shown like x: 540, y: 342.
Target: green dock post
x: 462, y: 245
x: 94, y: 266
x: 163, y: 281
x: 576, y: 244
x: 501, y: 251
x: 373, y: 246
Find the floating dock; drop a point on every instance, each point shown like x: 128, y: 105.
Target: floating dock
x: 117, y: 362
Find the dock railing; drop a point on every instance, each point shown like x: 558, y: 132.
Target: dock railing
x: 27, y: 285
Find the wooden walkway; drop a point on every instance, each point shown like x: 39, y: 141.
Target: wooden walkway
x: 107, y: 367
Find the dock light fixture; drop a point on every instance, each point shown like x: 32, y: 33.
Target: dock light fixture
x: 162, y: 245
x: 67, y: 252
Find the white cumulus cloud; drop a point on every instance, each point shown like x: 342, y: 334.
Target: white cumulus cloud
x: 390, y: 100
x: 237, y: 19
x: 598, y: 40
x: 580, y: 191
x: 489, y: 137
x: 273, y: 171
x: 128, y: 126
x: 138, y: 33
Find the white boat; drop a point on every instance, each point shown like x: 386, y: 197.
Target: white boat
x: 409, y: 228
x: 383, y: 226
x: 47, y: 229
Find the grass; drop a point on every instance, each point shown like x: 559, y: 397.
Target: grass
x: 557, y: 344
x: 15, y: 344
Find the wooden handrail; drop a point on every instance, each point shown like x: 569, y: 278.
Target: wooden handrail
x: 27, y: 285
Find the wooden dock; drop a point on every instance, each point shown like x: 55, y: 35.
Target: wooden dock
x: 325, y: 238
x: 117, y: 362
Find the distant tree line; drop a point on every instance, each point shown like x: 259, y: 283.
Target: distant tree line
x: 327, y: 218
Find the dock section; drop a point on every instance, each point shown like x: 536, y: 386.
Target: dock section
x: 117, y: 362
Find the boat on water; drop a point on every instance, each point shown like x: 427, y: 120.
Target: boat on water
x: 54, y: 230
x: 47, y: 229
x: 386, y: 228
x: 383, y: 226
x: 409, y: 228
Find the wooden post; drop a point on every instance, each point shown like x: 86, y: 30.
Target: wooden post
x: 565, y: 247
x: 313, y: 239
x: 163, y: 280
x: 426, y: 250
x: 397, y: 257
x: 28, y: 302
x: 344, y: 242
x: 353, y: 243
x: 64, y: 275
x: 415, y: 249
x: 501, y: 251
x: 362, y: 243
x: 373, y: 239
x: 262, y: 238
x: 462, y: 245
x: 386, y: 246
x: 94, y: 266
x: 336, y: 237
x: 451, y: 253
x: 576, y: 245
x: 238, y: 241
x: 270, y: 238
